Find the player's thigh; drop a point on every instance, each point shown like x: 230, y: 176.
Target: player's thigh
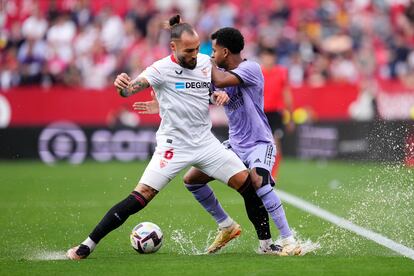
x: 219, y: 163
x: 196, y: 176
x: 165, y: 164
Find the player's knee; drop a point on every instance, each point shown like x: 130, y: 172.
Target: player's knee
x: 146, y: 191
x: 260, y: 177
x: 256, y: 180
x: 189, y: 179
x: 238, y: 180
x: 195, y: 176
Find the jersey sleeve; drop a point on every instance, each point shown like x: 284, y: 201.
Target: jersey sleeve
x: 247, y: 73
x: 153, y: 76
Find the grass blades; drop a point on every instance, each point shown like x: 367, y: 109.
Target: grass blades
x: 47, y: 209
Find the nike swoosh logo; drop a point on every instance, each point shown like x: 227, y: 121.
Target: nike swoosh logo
x: 178, y: 72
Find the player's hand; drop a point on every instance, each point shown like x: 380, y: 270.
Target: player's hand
x: 122, y: 81
x: 220, y: 98
x: 150, y: 107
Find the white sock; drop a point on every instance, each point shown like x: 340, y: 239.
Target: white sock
x: 288, y: 240
x: 90, y: 243
x: 265, y: 243
x: 226, y: 223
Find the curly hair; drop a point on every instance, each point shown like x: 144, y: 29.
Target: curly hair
x: 229, y: 38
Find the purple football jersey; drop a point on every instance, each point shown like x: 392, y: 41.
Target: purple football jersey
x: 248, y: 125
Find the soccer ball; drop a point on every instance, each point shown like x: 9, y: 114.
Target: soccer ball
x: 146, y: 237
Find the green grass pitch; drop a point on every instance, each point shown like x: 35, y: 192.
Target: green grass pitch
x: 44, y: 210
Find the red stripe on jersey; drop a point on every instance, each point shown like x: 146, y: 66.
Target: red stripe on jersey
x: 173, y: 59
x: 156, y: 70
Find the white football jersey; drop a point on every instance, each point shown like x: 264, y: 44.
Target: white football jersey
x: 183, y: 97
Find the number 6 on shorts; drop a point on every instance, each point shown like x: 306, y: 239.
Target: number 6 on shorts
x: 169, y: 154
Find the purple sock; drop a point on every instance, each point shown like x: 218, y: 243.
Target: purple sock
x: 274, y: 207
x: 208, y: 200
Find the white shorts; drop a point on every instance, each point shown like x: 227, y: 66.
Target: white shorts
x: 212, y: 158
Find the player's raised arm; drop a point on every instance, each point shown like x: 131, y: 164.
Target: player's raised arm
x: 126, y: 87
x: 223, y: 79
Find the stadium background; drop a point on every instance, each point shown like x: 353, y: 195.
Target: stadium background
x: 350, y: 69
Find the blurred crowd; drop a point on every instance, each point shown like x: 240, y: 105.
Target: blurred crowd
x: 80, y: 43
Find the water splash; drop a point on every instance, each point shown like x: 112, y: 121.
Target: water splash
x: 388, y: 205
x: 185, y: 244
x: 382, y: 200
x: 307, y: 245
x: 45, y: 255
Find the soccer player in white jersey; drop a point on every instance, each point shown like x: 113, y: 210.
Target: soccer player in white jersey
x: 181, y: 82
x: 250, y: 138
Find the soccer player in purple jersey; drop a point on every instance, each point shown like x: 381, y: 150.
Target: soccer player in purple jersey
x: 250, y: 136
x: 251, y: 139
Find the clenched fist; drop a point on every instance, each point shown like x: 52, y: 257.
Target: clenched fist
x: 122, y: 82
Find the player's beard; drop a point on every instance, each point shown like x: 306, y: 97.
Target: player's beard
x: 189, y: 65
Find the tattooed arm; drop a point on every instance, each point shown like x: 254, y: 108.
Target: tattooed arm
x: 127, y: 88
